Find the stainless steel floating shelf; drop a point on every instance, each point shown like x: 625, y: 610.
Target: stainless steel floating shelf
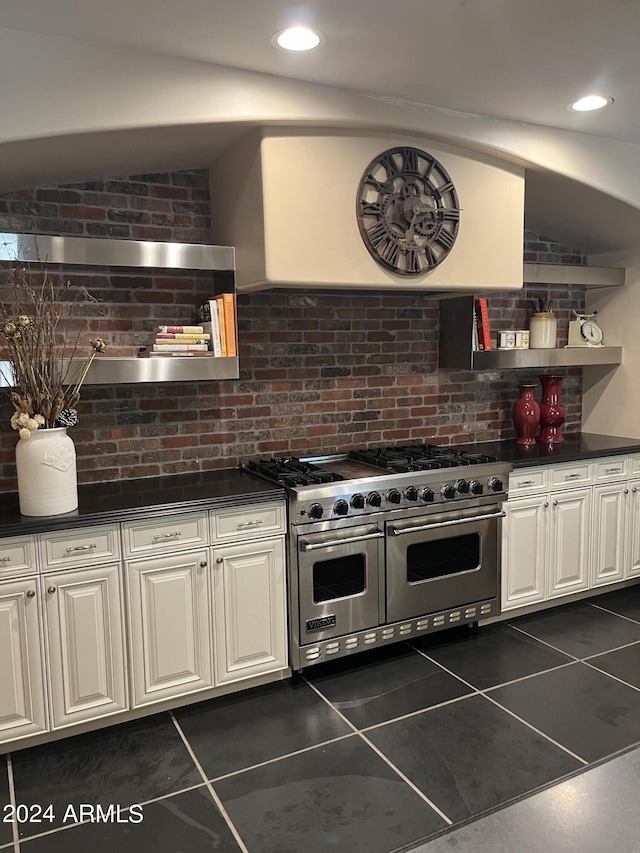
x: 97, y: 251
x: 577, y: 274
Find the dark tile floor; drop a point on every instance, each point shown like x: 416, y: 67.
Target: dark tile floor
x: 372, y: 754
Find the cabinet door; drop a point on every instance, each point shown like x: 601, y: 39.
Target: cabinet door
x: 609, y: 517
x: 633, y: 531
x: 249, y: 609
x: 524, y: 551
x: 170, y: 626
x: 570, y: 542
x: 84, y: 634
x: 22, y: 701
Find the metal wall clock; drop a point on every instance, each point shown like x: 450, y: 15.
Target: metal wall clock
x: 408, y: 212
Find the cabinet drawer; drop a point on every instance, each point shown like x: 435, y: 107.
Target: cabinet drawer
x: 634, y: 464
x: 79, y: 547
x: 529, y: 481
x: 248, y: 522
x: 614, y: 468
x: 17, y: 557
x: 575, y: 474
x: 157, y: 536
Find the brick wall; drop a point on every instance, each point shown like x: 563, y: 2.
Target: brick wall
x: 319, y: 372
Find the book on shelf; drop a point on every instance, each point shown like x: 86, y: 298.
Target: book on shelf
x: 183, y: 338
x: 180, y: 330
x: 218, y: 316
x: 180, y: 347
x: 482, y: 324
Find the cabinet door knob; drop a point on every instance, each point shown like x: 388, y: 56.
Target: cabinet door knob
x: 51, y: 589
x: 555, y: 503
x: 31, y: 593
x: 219, y: 560
x: 547, y: 503
x: 203, y: 564
x: 634, y: 489
x: 626, y: 491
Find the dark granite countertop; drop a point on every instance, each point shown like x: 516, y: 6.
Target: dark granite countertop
x: 577, y: 445
x: 125, y: 500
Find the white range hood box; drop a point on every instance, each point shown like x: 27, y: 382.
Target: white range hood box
x: 287, y: 202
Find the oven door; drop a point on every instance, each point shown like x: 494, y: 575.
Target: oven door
x: 339, y: 581
x: 441, y: 561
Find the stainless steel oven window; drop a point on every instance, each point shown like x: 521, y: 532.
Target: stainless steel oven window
x: 339, y: 577
x: 437, y: 558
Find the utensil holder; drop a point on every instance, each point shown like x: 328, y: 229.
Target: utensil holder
x: 543, y: 329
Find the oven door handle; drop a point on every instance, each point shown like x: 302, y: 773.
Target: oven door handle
x: 307, y: 546
x: 396, y: 531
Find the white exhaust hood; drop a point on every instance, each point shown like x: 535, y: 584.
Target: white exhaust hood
x: 286, y: 200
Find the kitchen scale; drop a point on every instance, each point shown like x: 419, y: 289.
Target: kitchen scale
x: 584, y: 331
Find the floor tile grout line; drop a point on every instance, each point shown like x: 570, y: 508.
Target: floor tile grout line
x: 538, y: 731
x: 524, y: 722
x: 56, y: 830
x: 421, y: 711
x: 609, y: 651
x: 613, y: 613
x: 12, y: 800
x: 387, y: 761
x: 615, y: 677
x: 502, y: 683
x: 544, y: 642
x: 280, y: 757
x: 210, y: 787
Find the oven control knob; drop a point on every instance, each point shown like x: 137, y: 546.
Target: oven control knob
x: 461, y: 486
x: 448, y: 491
x: 341, y: 507
x: 374, y: 499
x: 411, y: 494
x: 394, y: 496
x: 357, y: 501
x: 475, y: 487
x: 427, y: 495
x: 495, y: 484
x: 315, y: 511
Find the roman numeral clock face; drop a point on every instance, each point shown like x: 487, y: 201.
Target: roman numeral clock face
x: 408, y: 211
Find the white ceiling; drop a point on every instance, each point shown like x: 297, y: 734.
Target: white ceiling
x: 517, y: 60
x: 523, y: 60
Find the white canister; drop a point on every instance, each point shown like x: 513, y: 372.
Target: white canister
x: 46, y: 468
x: 543, y: 329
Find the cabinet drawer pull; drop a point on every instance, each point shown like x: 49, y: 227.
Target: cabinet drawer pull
x: 527, y: 483
x: 613, y: 471
x: 77, y: 548
x: 51, y: 589
x: 255, y: 523
x: 159, y: 536
x: 5, y: 559
x: 31, y: 593
x: 572, y: 476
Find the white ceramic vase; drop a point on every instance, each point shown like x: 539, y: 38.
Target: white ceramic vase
x: 46, y: 468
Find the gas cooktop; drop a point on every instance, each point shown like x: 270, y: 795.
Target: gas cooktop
x: 292, y: 471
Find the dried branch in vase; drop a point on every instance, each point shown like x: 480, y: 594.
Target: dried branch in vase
x: 38, y: 340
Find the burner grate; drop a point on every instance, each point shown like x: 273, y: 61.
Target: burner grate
x: 419, y: 457
x: 291, y: 471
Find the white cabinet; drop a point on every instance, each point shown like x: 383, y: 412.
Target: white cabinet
x: 610, y: 548
x: 249, y: 609
x: 569, y: 542
x: 569, y: 528
x: 524, y: 551
x: 22, y: 686
x: 84, y: 639
x: 169, y: 626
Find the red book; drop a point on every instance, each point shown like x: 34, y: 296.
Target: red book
x: 482, y: 320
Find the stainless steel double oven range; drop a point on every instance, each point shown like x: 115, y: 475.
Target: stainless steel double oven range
x: 388, y: 544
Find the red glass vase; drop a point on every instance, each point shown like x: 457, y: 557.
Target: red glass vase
x: 552, y: 412
x: 526, y: 415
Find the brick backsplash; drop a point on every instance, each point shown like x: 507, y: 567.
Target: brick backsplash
x: 320, y: 372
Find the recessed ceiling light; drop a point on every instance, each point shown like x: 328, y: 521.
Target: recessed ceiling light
x: 591, y: 102
x: 297, y: 38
